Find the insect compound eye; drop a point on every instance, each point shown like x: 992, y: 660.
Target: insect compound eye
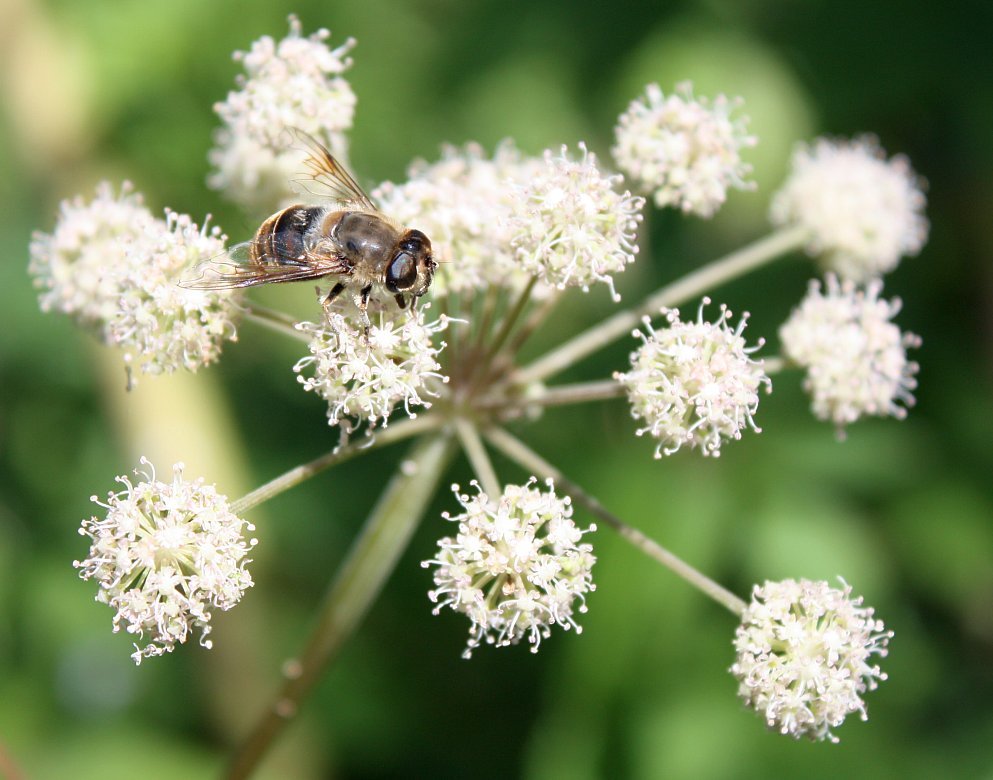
x: 401, y: 273
x: 415, y: 242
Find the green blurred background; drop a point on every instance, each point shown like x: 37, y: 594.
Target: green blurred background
x: 903, y: 511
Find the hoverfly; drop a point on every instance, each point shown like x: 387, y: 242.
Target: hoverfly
x: 347, y: 240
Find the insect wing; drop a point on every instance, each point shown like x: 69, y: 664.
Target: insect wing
x: 327, y: 178
x: 232, y: 268
x: 236, y: 269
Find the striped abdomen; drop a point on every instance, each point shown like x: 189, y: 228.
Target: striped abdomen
x: 281, y: 238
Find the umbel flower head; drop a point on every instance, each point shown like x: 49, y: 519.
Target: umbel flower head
x: 364, y: 376
x: 571, y: 227
x: 464, y: 202
x: 804, y: 656
x: 856, y: 358
x: 161, y: 326
x: 114, y: 268
x: 516, y: 567
x: 694, y: 383
x: 78, y: 265
x: 862, y: 212
x: 164, y: 556
x: 296, y: 82
x: 683, y: 150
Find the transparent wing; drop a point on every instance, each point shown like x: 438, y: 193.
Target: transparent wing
x: 236, y: 269
x: 327, y: 178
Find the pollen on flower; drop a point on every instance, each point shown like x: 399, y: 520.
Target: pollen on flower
x: 862, y: 212
x: 78, y: 265
x: 571, y: 228
x: 463, y: 202
x: 856, y: 358
x: 161, y: 326
x: 365, y: 377
x: 164, y: 556
x: 694, y: 383
x: 804, y: 656
x: 296, y: 82
x: 683, y: 150
x: 516, y: 567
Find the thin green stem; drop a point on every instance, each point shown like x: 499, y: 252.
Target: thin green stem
x: 498, y: 356
x: 483, y: 321
x: 510, y: 319
x: 274, y: 320
x: 478, y: 459
x: 532, y: 323
x: 562, y: 395
x: 690, y: 286
x: 397, y: 432
x: 519, y: 452
x: 370, y: 561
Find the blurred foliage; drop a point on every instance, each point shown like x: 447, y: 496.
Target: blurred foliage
x: 122, y: 88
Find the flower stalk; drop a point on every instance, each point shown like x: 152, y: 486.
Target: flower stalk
x: 562, y: 395
x: 275, y: 320
x: 519, y: 452
x: 688, y: 287
x: 510, y: 319
x: 399, y: 431
x: 476, y: 453
x: 357, y: 584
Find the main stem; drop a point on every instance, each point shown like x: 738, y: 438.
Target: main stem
x: 516, y: 450
x: 371, y: 560
x: 690, y: 286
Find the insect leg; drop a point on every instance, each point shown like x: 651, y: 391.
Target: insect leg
x: 364, y: 294
x: 401, y: 301
x: 329, y: 299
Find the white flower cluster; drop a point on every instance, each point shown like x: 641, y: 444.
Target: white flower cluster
x: 78, y: 264
x: 463, y: 202
x: 693, y: 383
x: 164, y: 556
x: 160, y: 325
x: 516, y: 567
x: 363, y: 377
x: 683, y: 150
x: 571, y: 227
x: 296, y: 82
x: 804, y: 654
x: 862, y: 212
x: 115, y: 269
x: 856, y: 358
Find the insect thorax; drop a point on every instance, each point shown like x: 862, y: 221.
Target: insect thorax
x: 368, y: 240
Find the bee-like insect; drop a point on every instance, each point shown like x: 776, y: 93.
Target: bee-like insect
x: 347, y: 240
